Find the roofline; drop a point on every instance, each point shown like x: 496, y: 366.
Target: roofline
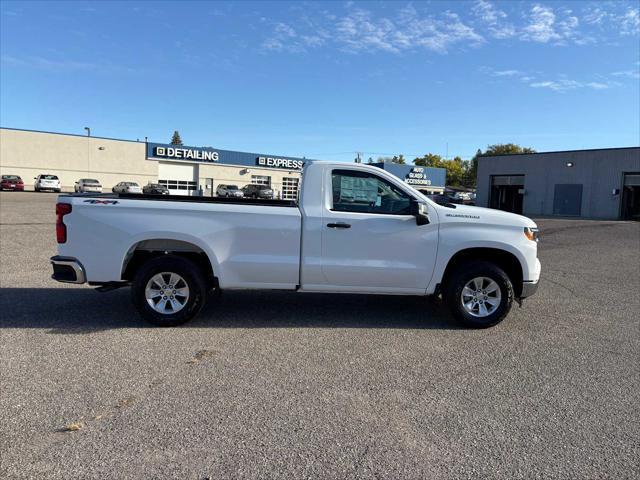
x: 152, y: 142
x: 70, y: 134
x: 558, y: 151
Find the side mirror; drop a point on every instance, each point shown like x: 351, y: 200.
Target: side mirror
x: 420, y: 211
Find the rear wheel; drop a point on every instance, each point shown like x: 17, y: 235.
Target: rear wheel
x: 479, y: 294
x: 169, y: 290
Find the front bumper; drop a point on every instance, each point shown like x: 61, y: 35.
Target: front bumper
x: 529, y: 288
x: 67, y: 270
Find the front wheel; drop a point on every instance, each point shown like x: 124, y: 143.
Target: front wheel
x: 169, y: 290
x: 479, y: 294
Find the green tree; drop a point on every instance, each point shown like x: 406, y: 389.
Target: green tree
x: 496, y: 149
x: 456, y: 168
x: 175, y: 139
x: 473, y: 169
x: 506, y: 149
x: 429, y: 160
x: 399, y: 159
x: 455, y: 171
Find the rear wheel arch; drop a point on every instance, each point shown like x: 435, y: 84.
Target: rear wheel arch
x: 503, y: 259
x: 145, y: 250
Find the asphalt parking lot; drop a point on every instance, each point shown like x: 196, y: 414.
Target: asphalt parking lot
x: 274, y: 385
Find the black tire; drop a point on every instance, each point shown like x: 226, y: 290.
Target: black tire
x: 464, y: 273
x: 192, y: 276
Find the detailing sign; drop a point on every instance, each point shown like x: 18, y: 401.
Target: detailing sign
x: 186, y: 153
x: 280, y: 163
x: 417, y: 177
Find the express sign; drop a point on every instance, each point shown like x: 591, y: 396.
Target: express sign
x: 280, y: 163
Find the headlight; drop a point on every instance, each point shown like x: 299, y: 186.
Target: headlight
x: 531, y: 233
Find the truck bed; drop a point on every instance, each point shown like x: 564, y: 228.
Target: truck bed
x: 186, y: 198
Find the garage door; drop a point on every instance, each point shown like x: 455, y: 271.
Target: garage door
x: 179, y: 178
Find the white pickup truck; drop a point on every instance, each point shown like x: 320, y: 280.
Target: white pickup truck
x: 355, y: 229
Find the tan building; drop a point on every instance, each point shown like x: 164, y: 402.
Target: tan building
x: 184, y: 170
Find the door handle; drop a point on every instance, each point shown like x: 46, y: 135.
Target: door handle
x: 338, y: 225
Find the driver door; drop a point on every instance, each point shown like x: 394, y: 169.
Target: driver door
x: 370, y: 241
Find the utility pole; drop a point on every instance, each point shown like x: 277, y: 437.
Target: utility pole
x: 358, y: 158
x: 88, y: 150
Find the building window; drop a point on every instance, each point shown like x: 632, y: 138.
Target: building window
x: 178, y: 185
x: 290, y: 188
x: 261, y: 180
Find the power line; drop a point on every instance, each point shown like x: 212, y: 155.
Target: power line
x: 416, y: 155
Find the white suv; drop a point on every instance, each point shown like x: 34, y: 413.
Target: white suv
x: 44, y: 181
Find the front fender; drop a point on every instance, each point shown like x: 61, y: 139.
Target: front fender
x: 456, y: 238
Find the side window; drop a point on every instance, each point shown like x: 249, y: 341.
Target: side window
x: 363, y: 192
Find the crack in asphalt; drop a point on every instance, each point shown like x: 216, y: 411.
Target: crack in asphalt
x: 562, y: 286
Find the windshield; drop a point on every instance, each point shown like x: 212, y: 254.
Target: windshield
x: 232, y: 187
x: 89, y: 180
x: 10, y: 177
x: 49, y: 177
x: 131, y: 184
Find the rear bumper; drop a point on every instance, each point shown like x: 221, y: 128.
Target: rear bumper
x: 68, y: 270
x: 529, y: 288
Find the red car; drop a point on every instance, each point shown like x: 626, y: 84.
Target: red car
x: 11, y: 182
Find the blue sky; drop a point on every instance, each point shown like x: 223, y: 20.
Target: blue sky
x: 324, y: 80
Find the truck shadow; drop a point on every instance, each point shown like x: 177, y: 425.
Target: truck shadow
x: 82, y: 310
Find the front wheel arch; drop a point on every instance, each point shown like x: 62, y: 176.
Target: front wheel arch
x: 503, y: 259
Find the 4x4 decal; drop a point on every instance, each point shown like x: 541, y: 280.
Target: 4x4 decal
x: 101, y: 202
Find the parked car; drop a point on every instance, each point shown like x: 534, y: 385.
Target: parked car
x: 11, y: 182
x: 257, y: 191
x: 127, y: 187
x: 46, y: 181
x: 355, y: 229
x: 229, y: 191
x: 85, y: 185
x: 155, y: 189
x: 462, y: 196
x: 443, y: 199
